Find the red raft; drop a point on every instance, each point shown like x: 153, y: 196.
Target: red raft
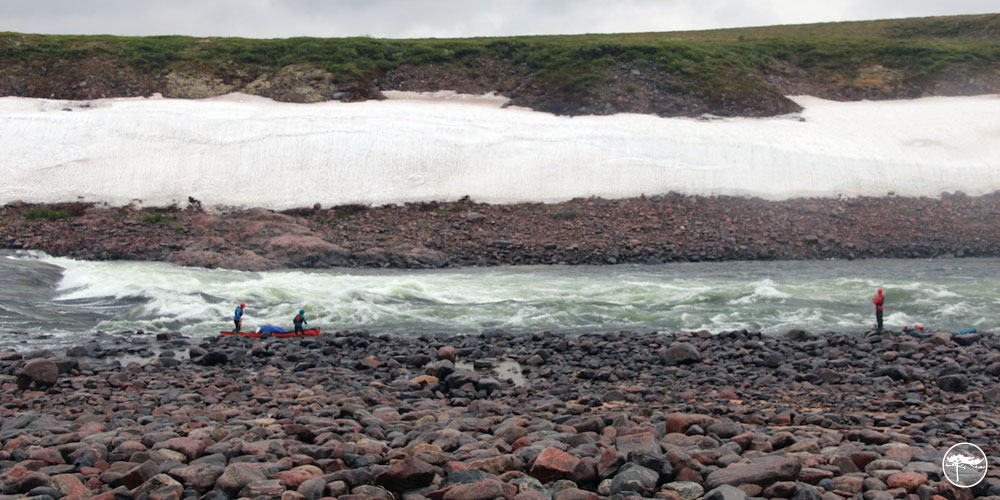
x: 312, y: 332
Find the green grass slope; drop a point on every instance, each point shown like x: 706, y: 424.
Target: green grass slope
x: 745, y: 71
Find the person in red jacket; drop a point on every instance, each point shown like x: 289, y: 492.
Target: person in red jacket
x: 879, y: 301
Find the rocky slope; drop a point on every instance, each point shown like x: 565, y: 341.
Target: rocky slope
x: 463, y: 233
x: 626, y: 88
x: 737, y: 72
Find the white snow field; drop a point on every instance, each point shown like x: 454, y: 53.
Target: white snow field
x: 239, y: 150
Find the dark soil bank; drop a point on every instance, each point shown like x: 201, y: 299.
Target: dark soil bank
x: 585, y: 231
x: 619, y: 415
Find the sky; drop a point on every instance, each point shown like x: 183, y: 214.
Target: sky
x: 444, y: 18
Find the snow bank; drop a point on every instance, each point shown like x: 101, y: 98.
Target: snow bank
x: 247, y: 151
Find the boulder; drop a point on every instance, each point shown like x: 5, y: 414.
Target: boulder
x: 460, y: 377
x: 806, y: 492
x: 70, y: 484
x: 77, y: 351
x: 447, y: 352
x: 909, y: 481
x: 488, y: 489
x: 202, y: 476
x: 687, y: 490
x: 635, y: 478
x: 496, y: 465
x: 271, y: 488
x: 19, y: 479
x: 770, y: 471
x: 440, y: 368
x: 42, y: 372
x: 638, y: 443
x: 140, y: 474
x: 212, y: 358
x: 797, y: 335
x: 680, y: 422
x: 314, y: 489
x: 565, y: 494
x: 726, y: 492
x: 953, y: 383
x: 781, y: 489
x: 725, y: 428
x: 883, y: 464
x: 552, y: 464
x: 191, y: 448
x: 47, y: 455
x: 407, y: 474
x: 679, y: 353
x: 238, y: 475
x: 966, y: 339
x: 155, y: 485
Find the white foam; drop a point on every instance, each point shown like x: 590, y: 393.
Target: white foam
x: 246, y: 151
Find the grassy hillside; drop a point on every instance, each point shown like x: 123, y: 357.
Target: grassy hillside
x: 736, y: 71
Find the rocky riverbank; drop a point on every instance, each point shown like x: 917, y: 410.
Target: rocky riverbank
x: 619, y: 415
x: 464, y: 233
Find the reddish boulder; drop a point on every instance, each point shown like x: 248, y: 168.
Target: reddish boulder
x: 23, y: 479
x: 496, y: 465
x: 47, y: 455
x: 909, y: 481
x: 369, y: 362
x: 43, y: 372
x: 69, y: 484
x: 191, y: 448
x: 552, y: 464
x: 575, y: 494
x: 488, y: 489
x: 679, y: 422
x: 781, y: 489
x: 270, y: 488
x: 295, y: 477
x: 530, y: 495
x: 447, y: 352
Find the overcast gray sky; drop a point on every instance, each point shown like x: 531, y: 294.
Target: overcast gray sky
x: 444, y: 18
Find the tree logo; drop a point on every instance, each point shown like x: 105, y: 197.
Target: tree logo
x: 964, y: 465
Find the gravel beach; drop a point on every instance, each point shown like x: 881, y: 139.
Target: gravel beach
x: 543, y: 416
x: 646, y: 230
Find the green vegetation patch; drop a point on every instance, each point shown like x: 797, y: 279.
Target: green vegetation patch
x: 45, y: 213
x: 156, y: 218
x: 714, y: 63
x: 565, y: 214
x: 55, y: 211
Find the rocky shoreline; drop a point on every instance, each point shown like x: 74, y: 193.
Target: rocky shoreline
x: 355, y: 415
x: 646, y: 230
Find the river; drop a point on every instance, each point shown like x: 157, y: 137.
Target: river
x: 50, y: 302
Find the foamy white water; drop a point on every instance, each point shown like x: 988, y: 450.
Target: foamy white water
x: 246, y: 151
x: 69, y: 300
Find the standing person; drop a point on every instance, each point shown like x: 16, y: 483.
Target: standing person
x: 238, y: 319
x: 298, y: 320
x: 879, y: 301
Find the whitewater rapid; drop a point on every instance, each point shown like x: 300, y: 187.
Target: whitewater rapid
x: 56, y: 300
x: 239, y: 150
